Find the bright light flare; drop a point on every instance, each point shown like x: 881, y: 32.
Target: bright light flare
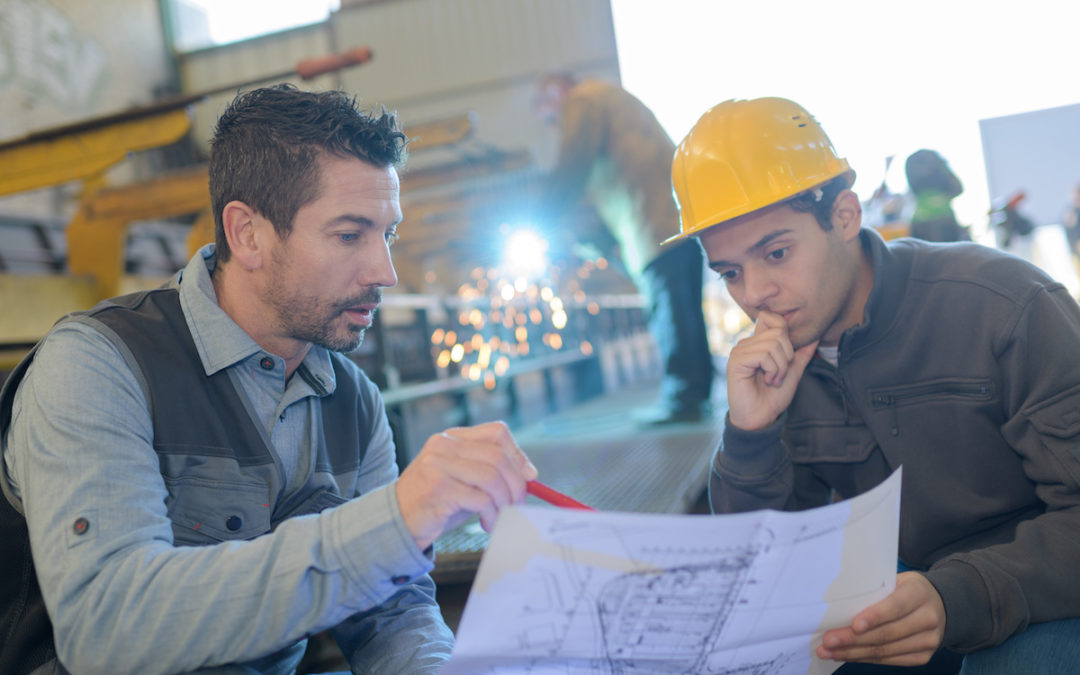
x: 558, y: 319
x: 526, y: 253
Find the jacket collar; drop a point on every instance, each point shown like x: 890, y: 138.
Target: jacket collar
x: 891, y: 264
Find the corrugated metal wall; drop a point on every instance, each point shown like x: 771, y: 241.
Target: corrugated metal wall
x: 434, y: 58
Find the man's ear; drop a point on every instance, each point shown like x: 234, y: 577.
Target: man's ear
x: 847, y: 214
x: 240, y: 223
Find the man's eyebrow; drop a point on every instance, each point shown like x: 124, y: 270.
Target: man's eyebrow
x: 764, y: 241
x: 760, y: 244
x: 351, y: 218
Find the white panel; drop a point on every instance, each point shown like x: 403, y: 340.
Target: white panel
x: 1035, y: 152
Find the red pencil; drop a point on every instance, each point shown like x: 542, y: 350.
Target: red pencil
x: 538, y: 489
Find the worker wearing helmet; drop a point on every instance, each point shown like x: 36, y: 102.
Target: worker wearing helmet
x: 956, y: 361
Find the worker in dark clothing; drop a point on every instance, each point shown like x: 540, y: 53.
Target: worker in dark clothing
x: 934, y: 186
x: 959, y: 363
x: 615, y: 156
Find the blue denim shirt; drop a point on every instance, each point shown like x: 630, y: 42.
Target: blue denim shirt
x: 123, y: 598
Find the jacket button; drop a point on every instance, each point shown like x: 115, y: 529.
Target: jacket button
x: 81, y: 526
x: 233, y: 523
x: 399, y: 580
x: 267, y: 363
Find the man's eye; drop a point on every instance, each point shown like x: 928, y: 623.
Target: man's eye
x: 778, y: 254
x: 728, y: 275
x: 391, y: 237
x: 348, y: 237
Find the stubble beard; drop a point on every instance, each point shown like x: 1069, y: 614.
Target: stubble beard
x: 313, y: 320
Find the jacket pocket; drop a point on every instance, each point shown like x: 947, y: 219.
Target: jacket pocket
x: 934, y: 401
x: 811, y: 443
x: 206, y: 512
x: 1058, y: 422
x: 974, y: 389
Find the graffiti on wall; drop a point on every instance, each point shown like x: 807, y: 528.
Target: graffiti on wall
x: 44, y: 56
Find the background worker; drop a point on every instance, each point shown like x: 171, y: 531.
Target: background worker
x: 958, y: 362
x: 933, y: 186
x: 615, y: 156
x: 202, y: 477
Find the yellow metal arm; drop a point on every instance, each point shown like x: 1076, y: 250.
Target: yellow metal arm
x: 98, y: 233
x: 36, y: 163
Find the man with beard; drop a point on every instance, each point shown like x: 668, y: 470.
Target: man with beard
x: 957, y: 361
x: 203, y: 479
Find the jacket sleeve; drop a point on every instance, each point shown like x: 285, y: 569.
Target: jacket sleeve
x: 752, y: 470
x: 407, y: 633
x: 121, y: 596
x: 993, y: 593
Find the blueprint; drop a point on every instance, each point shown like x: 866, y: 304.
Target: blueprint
x: 565, y: 592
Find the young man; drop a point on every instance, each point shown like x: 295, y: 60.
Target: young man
x: 203, y: 480
x: 615, y: 156
x: 959, y: 362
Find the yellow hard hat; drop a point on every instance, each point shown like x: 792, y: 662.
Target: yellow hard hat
x: 743, y: 155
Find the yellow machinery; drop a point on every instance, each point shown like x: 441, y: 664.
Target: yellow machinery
x: 96, y: 236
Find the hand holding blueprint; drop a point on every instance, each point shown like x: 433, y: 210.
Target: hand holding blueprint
x: 583, y: 593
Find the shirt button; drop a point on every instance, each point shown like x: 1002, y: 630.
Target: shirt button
x: 399, y: 580
x: 267, y: 363
x: 233, y: 523
x: 81, y: 526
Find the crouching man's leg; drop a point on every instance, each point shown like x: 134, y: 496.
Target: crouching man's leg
x: 1043, y: 649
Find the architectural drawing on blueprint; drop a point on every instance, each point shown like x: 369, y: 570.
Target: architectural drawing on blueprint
x: 647, y: 620
x: 569, y: 593
x: 673, y: 616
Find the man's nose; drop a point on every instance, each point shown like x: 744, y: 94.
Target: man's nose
x: 758, y: 288
x: 381, y: 272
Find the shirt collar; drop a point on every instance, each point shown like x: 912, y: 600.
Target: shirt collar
x: 220, y: 341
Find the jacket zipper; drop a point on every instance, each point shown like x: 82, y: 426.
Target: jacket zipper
x: 886, y: 399
x: 895, y: 399
x: 833, y: 374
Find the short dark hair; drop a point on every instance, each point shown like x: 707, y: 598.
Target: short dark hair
x: 268, y: 141
x: 820, y: 200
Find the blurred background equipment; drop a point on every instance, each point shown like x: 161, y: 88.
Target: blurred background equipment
x: 1011, y: 225
x: 886, y: 211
